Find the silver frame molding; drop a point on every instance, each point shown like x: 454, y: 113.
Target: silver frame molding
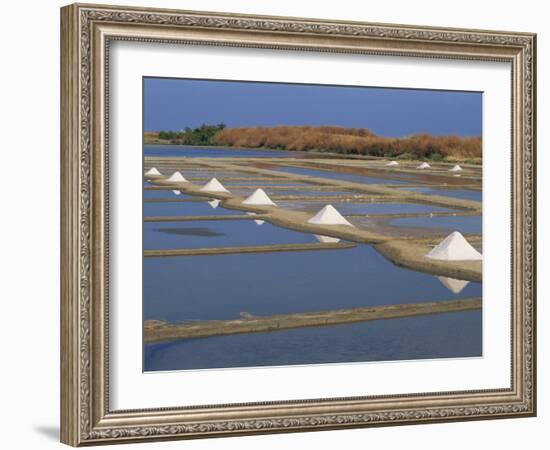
x: 86, y: 33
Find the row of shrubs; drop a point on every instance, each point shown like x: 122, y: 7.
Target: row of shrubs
x: 202, y: 135
x: 360, y: 141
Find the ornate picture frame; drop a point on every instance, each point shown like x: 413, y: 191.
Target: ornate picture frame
x: 87, y: 31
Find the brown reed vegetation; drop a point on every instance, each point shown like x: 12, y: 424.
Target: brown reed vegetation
x: 354, y: 141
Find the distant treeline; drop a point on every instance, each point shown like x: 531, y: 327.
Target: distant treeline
x: 352, y: 141
x: 202, y: 135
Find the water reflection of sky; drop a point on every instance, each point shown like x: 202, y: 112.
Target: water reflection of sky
x: 435, y: 336
x: 464, y: 194
x: 341, y: 176
x: 295, y: 192
x: 164, y: 193
x: 363, y: 207
x: 156, y: 209
x: 267, y: 183
x: 231, y: 177
x: 312, y: 193
x: 464, y: 224
x: 222, y: 286
x: 221, y: 233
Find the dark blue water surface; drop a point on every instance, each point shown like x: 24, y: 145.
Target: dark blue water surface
x: 331, y: 174
x: 156, y: 209
x: 218, y: 233
x: 296, y: 192
x: 221, y: 176
x: 435, y: 336
x: 362, y: 208
x: 165, y: 193
x: 183, y: 289
x: 216, y: 152
x: 217, y: 287
x: 265, y: 184
x: 221, y: 286
x: 464, y: 194
x: 464, y: 224
x: 308, y: 193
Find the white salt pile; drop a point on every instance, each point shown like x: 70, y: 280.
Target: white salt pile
x: 329, y: 216
x: 178, y: 177
x: 454, y: 285
x: 424, y: 165
x: 214, y: 203
x: 454, y: 248
x: 152, y: 172
x: 213, y: 186
x: 456, y: 168
x: 259, y: 197
x: 392, y: 163
x: 327, y: 239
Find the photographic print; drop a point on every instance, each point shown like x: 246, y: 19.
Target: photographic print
x: 334, y: 219
x: 289, y: 224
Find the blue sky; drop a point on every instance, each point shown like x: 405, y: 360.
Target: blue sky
x: 173, y: 104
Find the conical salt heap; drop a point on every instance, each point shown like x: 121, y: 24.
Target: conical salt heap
x: 456, y: 168
x: 213, y: 186
x: 454, y: 285
x: 454, y: 248
x: 329, y: 216
x: 152, y: 172
x: 178, y: 177
x: 214, y: 203
x: 259, y: 197
x: 392, y: 163
x: 424, y: 165
x: 327, y: 239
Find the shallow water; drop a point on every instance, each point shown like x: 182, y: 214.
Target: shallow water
x: 464, y: 194
x: 464, y: 224
x: 221, y: 286
x: 435, y: 336
x: 180, y: 289
x: 301, y: 192
x: 225, y: 177
x: 221, y: 176
x: 346, y: 208
x: 156, y: 209
x: 331, y: 174
x: 294, y: 192
x: 165, y: 193
x: 267, y: 183
x: 218, y: 233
